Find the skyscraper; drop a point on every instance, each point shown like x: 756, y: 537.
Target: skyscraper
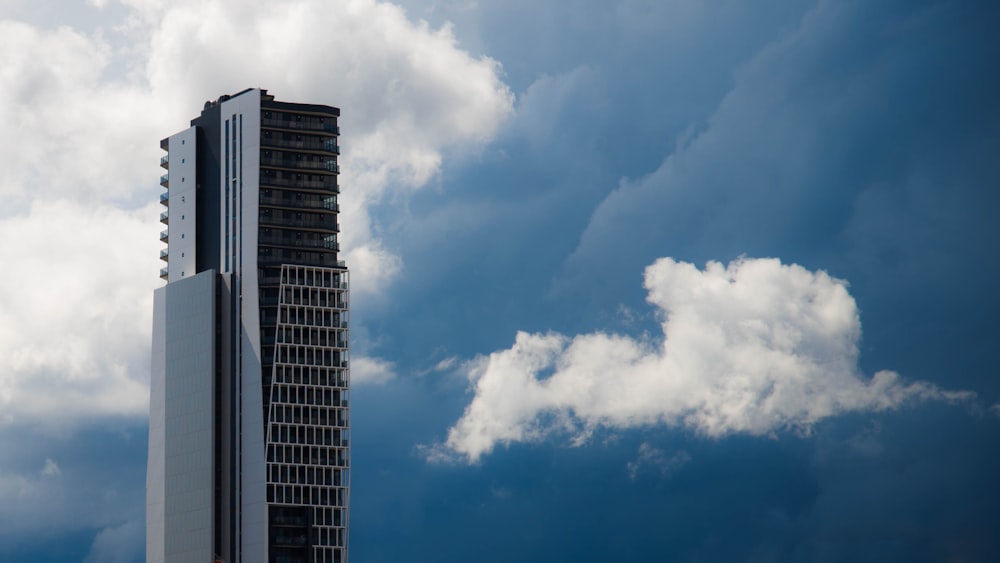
x: 249, y: 421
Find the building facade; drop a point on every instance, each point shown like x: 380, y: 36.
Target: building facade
x: 249, y: 456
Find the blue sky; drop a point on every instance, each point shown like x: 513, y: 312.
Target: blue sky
x: 632, y: 281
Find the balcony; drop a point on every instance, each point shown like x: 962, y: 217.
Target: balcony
x: 303, y: 162
x: 165, y: 198
x: 295, y: 242
x: 163, y: 273
x: 163, y: 255
x: 288, y: 540
x: 298, y: 200
x: 163, y: 218
x: 328, y: 183
x: 165, y: 162
x: 323, y: 221
x: 299, y: 256
x: 164, y: 180
x: 298, y: 123
x: 164, y: 236
x: 307, y: 142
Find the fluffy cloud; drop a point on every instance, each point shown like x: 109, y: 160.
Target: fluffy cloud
x: 754, y: 347
x: 409, y: 94
x: 408, y: 91
x: 87, y: 108
x: 70, y: 135
x: 371, y: 371
x: 75, y: 311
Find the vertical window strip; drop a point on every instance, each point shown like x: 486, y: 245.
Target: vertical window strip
x: 225, y: 181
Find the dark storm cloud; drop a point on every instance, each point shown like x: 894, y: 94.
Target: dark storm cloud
x: 858, y: 139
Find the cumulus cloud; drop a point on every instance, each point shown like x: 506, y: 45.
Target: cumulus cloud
x: 755, y: 347
x: 87, y: 107
x: 371, y: 371
x: 72, y: 135
x: 408, y: 92
x: 75, y: 311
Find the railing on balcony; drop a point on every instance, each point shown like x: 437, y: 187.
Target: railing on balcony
x: 279, y: 198
x: 163, y: 218
x: 164, y: 198
x: 271, y: 278
x: 163, y: 273
x: 304, y: 256
x: 328, y: 164
x: 163, y: 255
x: 309, y: 143
x: 304, y: 123
x: 164, y: 180
x: 328, y: 183
x: 164, y: 235
x: 294, y: 242
x: 316, y: 222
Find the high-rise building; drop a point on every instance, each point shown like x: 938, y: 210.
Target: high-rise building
x: 249, y: 420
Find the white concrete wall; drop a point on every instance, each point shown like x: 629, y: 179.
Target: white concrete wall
x: 182, y: 151
x: 190, y: 421
x: 155, y: 484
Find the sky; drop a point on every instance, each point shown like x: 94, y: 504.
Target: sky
x: 633, y: 280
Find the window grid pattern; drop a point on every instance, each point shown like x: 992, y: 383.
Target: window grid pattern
x: 308, y: 456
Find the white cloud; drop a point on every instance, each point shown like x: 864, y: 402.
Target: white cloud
x: 373, y: 269
x: 75, y: 311
x: 649, y: 456
x: 85, y: 110
x: 118, y: 544
x: 70, y: 135
x: 446, y: 364
x: 754, y: 347
x: 408, y: 92
x: 371, y: 371
x: 51, y: 468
